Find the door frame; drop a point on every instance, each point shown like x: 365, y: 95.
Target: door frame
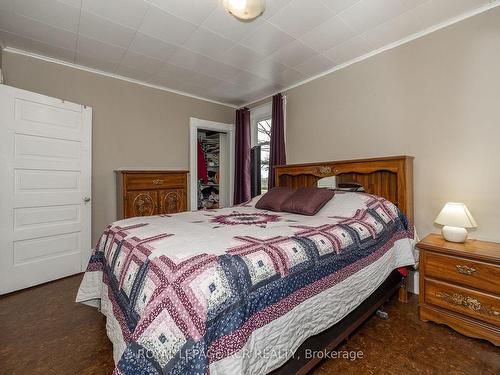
x: 87, y: 246
x: 196, y: 124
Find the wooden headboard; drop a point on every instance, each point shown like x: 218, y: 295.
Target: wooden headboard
x: 389, y: 177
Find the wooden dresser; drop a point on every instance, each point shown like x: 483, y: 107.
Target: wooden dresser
x: 460, y: 286
x: 145, y: 193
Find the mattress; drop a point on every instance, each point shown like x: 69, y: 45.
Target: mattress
x: 238, y: 290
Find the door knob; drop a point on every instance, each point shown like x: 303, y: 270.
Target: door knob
x: 86, y: 199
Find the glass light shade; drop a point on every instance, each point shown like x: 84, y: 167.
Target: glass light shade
x: 245, y: 9
x: 455, y: 215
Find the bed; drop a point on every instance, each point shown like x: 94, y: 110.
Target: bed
x: 243, y: 290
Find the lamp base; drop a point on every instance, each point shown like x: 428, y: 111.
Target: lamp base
x: 454, y: 234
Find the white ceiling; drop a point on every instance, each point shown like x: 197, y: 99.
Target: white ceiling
x: 194, y: 46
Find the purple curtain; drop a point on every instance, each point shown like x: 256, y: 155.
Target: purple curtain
x: 277, y: 155
x: 242, y: 155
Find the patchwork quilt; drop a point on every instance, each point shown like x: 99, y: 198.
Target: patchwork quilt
x: 211, y: 291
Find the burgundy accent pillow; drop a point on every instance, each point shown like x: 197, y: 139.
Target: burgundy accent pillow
x: 307, y: 201
x: 274, y: 198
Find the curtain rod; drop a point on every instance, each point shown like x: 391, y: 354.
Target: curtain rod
x: 266, y: 103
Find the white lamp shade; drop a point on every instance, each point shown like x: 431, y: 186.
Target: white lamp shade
x: 455, y: 215
x: 245, y: 9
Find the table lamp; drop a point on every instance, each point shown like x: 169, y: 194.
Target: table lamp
x: 455, y: 217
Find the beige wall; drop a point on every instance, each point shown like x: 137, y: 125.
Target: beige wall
x: 436, y: 98
x: 133, y: 125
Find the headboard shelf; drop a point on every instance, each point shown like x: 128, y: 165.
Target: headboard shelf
x: 390, y: 177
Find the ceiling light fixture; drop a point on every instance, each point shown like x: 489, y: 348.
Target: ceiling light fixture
x: 245, y: 10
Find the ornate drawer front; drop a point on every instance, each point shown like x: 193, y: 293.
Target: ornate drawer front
x: 171, y: 201
x: 476, y: 274
x: 475, y: 304
x: 154, y: 181
x: 141, y: 203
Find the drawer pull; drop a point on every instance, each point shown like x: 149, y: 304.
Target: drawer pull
x: 465, y: 270
x: 467, y: 302
x: 158, y: 182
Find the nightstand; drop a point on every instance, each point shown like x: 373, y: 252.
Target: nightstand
x: 460, y: 286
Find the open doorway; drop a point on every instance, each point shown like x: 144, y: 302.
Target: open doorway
x: 211, y: 164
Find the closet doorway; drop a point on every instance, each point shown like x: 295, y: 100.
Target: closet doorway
x: 211, y: 183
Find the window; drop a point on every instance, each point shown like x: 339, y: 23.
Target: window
x: 260, y: 118
x: 264, y: 141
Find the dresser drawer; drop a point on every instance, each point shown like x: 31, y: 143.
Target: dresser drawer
x: 154, y: 181
x: 484, y: 276
x: 475, y: 304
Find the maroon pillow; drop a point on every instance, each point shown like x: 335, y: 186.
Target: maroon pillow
x: 274, y: 198
x: 307, y: 201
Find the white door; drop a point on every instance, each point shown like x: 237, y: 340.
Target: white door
x: 45, y: 187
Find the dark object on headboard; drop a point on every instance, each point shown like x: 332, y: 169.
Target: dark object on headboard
x: 350, y: 186
x: 389, y: 177
x: 255, y: 187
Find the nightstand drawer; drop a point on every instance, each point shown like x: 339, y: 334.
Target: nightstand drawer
x: 472, y: 273
x: 144, y: 181
x: 475, y: 304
